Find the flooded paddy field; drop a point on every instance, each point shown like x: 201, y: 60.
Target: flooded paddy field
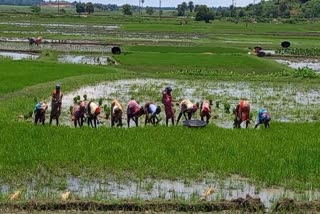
x: 297, y: 63
x: 231, y: 188
x: 89, y: 60
x: 18, y: 55
x: 61, y: 47
x: 285, y: 102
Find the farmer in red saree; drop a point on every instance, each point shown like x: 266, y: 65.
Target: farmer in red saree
x: 168, y: 106
x: 205, y: 110
x: 242, y: 113
x: 134, y: 111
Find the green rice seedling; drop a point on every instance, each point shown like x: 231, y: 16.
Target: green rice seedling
x: 227, y: 108
x: 100, y: 100
x: 217, y: 104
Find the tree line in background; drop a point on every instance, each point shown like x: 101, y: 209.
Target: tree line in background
x: 262, y: 10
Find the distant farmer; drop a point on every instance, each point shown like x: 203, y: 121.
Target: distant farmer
x: 168, y: 106
x: 56, y: 102
x: 39, y: 112
x: 134, y: 111
x: 34, y: 40
x: 93, y: 111
x: 263, y: 117
x: 242, y: 113
x: 116, y: 113
x: 205, y: 110
x: 78, y: 114
x: 186, y: 106
x: 151, y: 111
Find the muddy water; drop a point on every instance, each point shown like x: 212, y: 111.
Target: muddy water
x: 286, y: 103
x: 314, y: 64
x: 90, y: 60
x: 149, y: 189
x: 18, y: 56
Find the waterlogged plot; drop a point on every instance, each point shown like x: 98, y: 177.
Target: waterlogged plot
x: 149, y: 189
x: 90, y: 60
x: 18, y: 56
x: 314, y: 64
x: 285, y: 102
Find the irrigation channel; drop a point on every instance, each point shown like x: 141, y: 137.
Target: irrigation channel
x: 285, y: 102
x: 229, y: 189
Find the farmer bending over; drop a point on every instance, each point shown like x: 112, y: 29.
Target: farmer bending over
x: 205, y: 110
x: 78, y: 114
x: 39, y: 112
x: 153, y: 110
x: 242, y: 113
x: 186, y: 106
x: 93, y: 111
x: 116, y: 113
x: 263, y: 117
x: 134, y: 111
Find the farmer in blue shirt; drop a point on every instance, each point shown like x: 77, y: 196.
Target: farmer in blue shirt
x: 263, y: 117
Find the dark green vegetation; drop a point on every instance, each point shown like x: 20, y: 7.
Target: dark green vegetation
x: 287, y: 154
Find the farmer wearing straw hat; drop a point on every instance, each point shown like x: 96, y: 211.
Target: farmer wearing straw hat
x: 153, y: 110
x: 263, y: 117
x: 186, y: 106
x: 134, y: 111
x: 93, y: 111
x: 168, y: 106
x: 205, y: 110
x: 116, y: 113
x: 242, y: 113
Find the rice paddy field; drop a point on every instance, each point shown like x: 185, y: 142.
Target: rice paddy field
x: 174, y: 168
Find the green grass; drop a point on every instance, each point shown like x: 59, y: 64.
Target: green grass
x: 15, y: 75
x: 164, y: 62
x: 287, y: 154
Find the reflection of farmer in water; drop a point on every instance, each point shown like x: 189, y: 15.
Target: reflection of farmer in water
x: 263, y: 117
x: 186, y: 106
x: 242, y: 113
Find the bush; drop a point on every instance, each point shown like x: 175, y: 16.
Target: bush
x: 305, y: 72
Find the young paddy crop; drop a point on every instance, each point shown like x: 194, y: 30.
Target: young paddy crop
x: 175, y: 163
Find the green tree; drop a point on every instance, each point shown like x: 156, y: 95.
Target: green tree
x: 149, y: 10
x: 35, y: 9
x: 127, y: 9
x: 81, y: 8
x: 182, y: 9
x: 191, y: 6
x: 312, y: 9
x: 89, y: 8
x: 204, y: 14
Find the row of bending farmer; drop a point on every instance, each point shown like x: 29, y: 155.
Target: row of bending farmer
x: 242, y: 114
x: 187, y: 108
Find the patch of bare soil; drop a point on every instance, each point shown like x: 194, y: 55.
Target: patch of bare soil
x: 247, y: 205
x: 290, y: 205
